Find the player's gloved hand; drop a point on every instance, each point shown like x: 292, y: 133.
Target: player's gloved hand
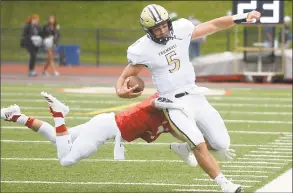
x: 227, y: 154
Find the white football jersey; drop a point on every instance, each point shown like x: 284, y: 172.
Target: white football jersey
x: 169, y: 64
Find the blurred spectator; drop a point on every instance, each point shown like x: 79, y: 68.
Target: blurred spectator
x: 288, y: 33
x: 31, y: 40
x: 51, y: 37
x: 194, y: 47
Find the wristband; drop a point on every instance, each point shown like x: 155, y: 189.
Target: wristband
x: 240, y: 18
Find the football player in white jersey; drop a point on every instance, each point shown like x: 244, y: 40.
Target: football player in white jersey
x: 164, y: 51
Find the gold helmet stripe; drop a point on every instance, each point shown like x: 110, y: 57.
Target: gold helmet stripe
x: 157, y: 12
x: 153, y: 12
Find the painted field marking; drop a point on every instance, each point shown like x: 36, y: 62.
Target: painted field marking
x: 268, y: 156
x: 210, y: 180
x: 135, y: 143
x: 112, y: 160
x: 246, y: 171
x: 195, y: 190
x: 250, y: 166
x: 251, y: 162
x: 109, y: 183
x: 225, y: 120
x: 243, y: 175
x: 233, y: 131
x: 121, y: 102
x: 271, y: 152
x: 282, y: 183
x: 261, y: 159
x: 276, y: 149
x: 248, y: 98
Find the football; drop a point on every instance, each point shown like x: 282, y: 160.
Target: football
x: 134, y: 80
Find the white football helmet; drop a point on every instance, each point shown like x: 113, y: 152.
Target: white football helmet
x: 152, y: 16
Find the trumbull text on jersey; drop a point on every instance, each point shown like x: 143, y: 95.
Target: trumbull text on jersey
x: 167, y: 50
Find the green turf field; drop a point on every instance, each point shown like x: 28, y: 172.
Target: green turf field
x: 259, y: 122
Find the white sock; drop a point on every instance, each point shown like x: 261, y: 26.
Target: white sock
x: 22, y: 119
x: 48, y: 131
x: 63, y: 145
x: 59, y: 121
x: 221, y: 180
x: 118, y: 148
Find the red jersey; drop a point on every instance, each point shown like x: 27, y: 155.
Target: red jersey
x: 142, y: 121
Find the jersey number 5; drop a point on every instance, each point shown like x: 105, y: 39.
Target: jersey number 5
x: 171, y: 60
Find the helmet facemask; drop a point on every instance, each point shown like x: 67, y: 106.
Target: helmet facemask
x: 153, y: 16
x: 162, y: 40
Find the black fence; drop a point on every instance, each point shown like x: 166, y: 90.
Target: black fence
x: 101, y: 46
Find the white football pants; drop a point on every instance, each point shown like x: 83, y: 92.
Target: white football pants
x: 85, y: 139
x: 203, y: 120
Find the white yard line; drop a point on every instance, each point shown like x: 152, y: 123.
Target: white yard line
x: 281, y: 184
x: 284, y: 140
x: 248, y: 98
x: 71, y: 108
x: 268, y: 156
x: 245, y: 176
x: 254, y: 113
x: 251, y: 162
x: 210, y: 180
x: 235, y: 98
x: 108, y: 183
x: 246, y: 171
x: 276, y: 149
x: 111, y: 160
x: 251, y: 105
x: 195, y: 190
x: 221, y: 112
x: 249, y: 166
x: 261, y: 159
x: 121, y: 102
x: 134, y: 143
x: 282, y: 144
x: 242, y: 176
x: 258, y: 121
x: 270, y: 152
x: 91, y: 160
x: 261, y: 132
x: 233, y: 131
x: 260, y: 145
x: 225, y: 120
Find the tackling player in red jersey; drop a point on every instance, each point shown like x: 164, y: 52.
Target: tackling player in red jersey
x: 140, y: 121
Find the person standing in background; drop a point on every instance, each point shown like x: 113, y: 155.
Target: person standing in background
x: 287, y: 31
x: 194, y: 47
x: 51, y: 37
x: 31, y: 40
